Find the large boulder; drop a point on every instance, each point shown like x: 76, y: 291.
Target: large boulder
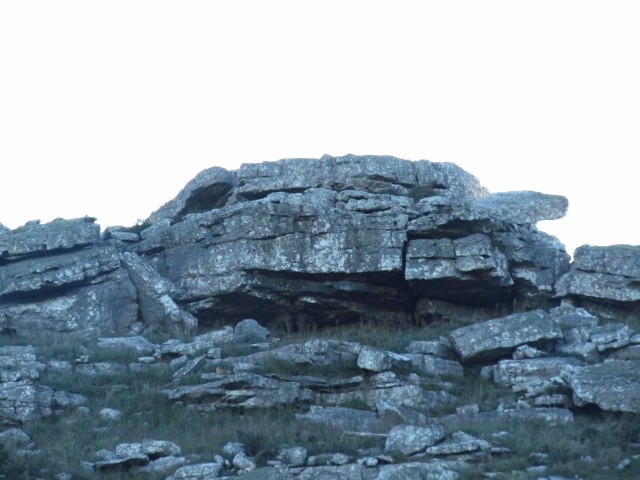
x: 498, y: 337
x: 613, y: 385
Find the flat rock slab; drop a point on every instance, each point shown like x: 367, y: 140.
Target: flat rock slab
x: 613, y: 385
x: 496, y: 338
x: 408, y: 439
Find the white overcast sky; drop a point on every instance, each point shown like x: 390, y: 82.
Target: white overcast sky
x: 107, y: 108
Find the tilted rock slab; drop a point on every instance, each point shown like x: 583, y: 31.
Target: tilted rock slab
x: 498, y: 337
x: 61, y: 278
x: 613, y: 385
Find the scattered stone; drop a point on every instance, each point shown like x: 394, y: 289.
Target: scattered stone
x: 59, y: 365
x: 378, y: 360
x: 593, y: 384
x: 121, y: 464
x: 437, y: 348
x: 525, y: 351
x: 468, y: 409
x: 608, y: 337
x: 243, y: 462
x: 342, y: 418
x: 251, y: 331
x: 460, y: 442
x: 16, y: 441
x: 232, y: 449
x: 342, y: 472
x: 435, y: 366
x: 110, y: 414
x: 201, y: 471
x: 19, y: 363
x: 163, y: 465
x: 388, y: 409
x: 101, y: 368
x: 326, y: 459
x: 623, y: 464
x: 294, y: 457
x: 137, y: 343
x: 408, y: 439
x: 417, y: 471
x: 496, y: 338
x: 192, y: 366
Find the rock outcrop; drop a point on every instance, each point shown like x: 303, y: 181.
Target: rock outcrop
x: 61, y: 278
x: 353, y: 238
x: 241, y: 257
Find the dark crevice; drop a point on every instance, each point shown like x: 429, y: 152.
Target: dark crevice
x: 6, y: 259
x: 45, y: 292
x: 207, y: 198
x: 249, y: 196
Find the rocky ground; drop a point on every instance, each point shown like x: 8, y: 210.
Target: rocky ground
x: 536, y: 400
x: 341, y: 318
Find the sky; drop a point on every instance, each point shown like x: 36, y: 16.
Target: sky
x: 108, y: 109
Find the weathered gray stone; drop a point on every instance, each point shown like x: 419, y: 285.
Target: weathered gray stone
x: 163, y: 465
x: 105, y: 305
x: 523, y: 207
x: 377, y: 360
x: 198, y: 344
x: 500, y: 336
x: 417, y: 471
x: 101, y: 368
x: 613, y: 385
x: 190, y: 367
x: 536, y: 261
x: 121, y: 464
x: 388, y: 409
x: 120, y: 234
x: 612, y: 336
x: 326, y: 459
x: 603, y: 274
x: 266, y: 473
x: 245, y: 390
x: 514, y: 372
x: 136, y: 343
x: 157, y: 307
x: 436, y: 367
x: 526, y: 351
x: 200, y: 471
x: 293, y: 457
x: 209, y: 190
x: 632, y: 352
x: 231, y: 449
x: 110, y: 414
x: 19, y: 363
x: 4, y: 229
x: 342, y: 417
x: 459, y: 442
x: 467, y: 270
x: 409, y: 439
x: 24, y: 401
x: 41, y: 239
x: 250, y: 330
x: 14, y: 439
x: 342, y: 472
x: 441, y: 348
x: 244, y: 462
